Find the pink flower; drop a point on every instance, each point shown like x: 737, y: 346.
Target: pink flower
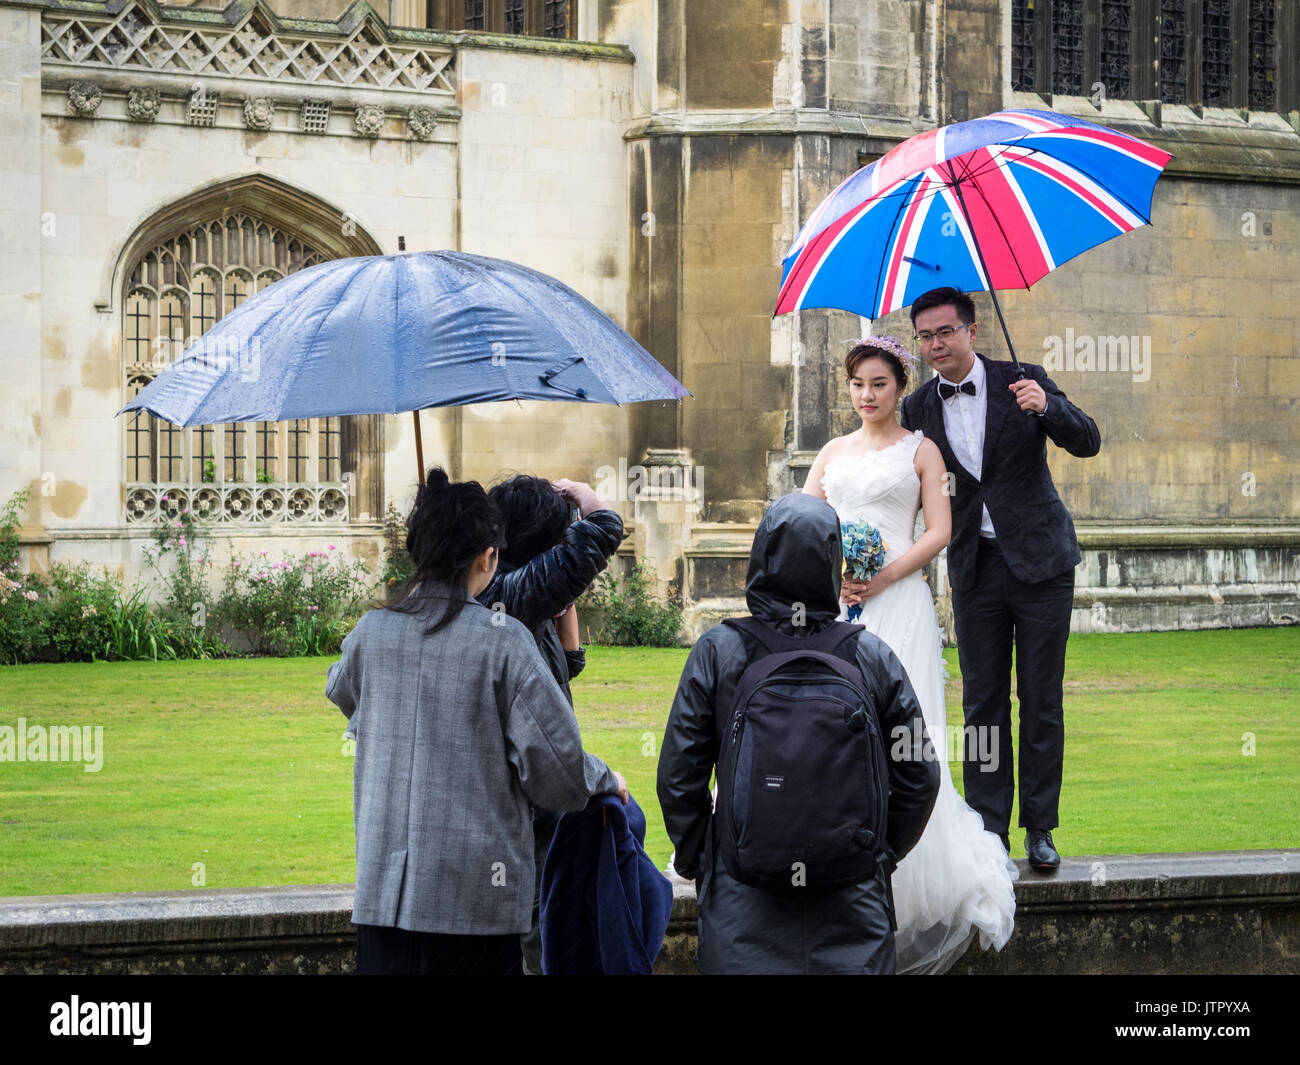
x: 263, y: 551
x: 181, y: 541
x: 186, y: 510
x: 332, y: 547
x: 178, y: 525
x: 236, y: 565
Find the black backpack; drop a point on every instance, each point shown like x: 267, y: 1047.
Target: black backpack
x: 803, y: 784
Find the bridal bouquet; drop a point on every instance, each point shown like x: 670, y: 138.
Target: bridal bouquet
x: 864, y: 552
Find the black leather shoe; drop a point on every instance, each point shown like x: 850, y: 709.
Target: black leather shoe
x: 1038, y: 846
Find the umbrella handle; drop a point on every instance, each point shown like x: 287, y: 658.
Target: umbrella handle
x: 970, y: 227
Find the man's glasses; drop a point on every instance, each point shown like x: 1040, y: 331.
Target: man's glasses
x: 945, y: 334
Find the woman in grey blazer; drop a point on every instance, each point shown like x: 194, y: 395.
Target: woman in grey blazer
x: 459, y: 726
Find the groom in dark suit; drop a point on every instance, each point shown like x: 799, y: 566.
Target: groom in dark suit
x: 1011, y: 558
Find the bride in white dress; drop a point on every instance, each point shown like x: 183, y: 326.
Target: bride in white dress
x: 957, y: 881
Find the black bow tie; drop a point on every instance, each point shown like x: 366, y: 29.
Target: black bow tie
x: 947, y: 391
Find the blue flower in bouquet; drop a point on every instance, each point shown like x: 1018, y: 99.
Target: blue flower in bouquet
x: 864, y: 553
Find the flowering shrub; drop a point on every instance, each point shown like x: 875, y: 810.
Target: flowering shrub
x: 296, y: 606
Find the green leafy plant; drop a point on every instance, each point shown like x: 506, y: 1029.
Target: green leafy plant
x: 398, y: 566
x: 135, y: 632
x: 10, y: 516
x: 633, y: 617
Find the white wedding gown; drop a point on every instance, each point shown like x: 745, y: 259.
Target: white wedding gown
x: 957, y: 881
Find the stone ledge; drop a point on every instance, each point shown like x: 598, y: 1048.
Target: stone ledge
x: 1213, y: 912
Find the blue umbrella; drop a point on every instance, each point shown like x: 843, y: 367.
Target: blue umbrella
x: 392, y: 333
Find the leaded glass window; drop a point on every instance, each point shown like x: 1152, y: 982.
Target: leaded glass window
x: 1216, y: 53
x: 1022, y: 45
x: 555, y: 18
x: 1067, y: 47
x: 514, y: 16
x: 1263, y: 49
x: 1115, y: 47
x: 1173, y: 51
x: 174, y: 294
x: 474, y: 14
x: 1203, y: 53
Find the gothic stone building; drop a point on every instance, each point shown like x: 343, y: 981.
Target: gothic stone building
x: 163, y: 163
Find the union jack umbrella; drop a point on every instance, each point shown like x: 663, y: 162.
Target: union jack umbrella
x: 994, y: 203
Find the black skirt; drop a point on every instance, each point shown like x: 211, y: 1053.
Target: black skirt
x: 383, y: 951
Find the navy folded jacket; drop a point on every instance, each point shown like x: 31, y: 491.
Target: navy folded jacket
x: 604, y: 905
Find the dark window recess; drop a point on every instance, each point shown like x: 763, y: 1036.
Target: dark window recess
x: 1115, y: 52
x: 1173, y: 51
x: 514, y: 16
x: 1263, y: 44
x: 1216, y: 53
x: 1022, y: 45
x: 555, y: 18
x: 474, y: 14
x: 1067, y: 47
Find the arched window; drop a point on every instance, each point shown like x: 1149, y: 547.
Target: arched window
x: 240, y: 472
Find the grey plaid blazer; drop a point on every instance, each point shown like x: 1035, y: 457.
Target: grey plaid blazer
x: 456, y: 733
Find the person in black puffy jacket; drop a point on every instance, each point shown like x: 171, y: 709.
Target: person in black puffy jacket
x: 546, y: 564
x: 794, y: 571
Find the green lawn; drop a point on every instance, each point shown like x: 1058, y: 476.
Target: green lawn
x: 241, y: 765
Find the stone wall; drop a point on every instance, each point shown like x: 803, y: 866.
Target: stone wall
x: 525, y: 161
x: 1224, y: 913
x: 543, y: 182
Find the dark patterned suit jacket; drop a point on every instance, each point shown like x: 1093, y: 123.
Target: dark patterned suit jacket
x: 1034, y: 529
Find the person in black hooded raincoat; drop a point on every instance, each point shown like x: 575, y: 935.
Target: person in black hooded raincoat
x: 796, y: 561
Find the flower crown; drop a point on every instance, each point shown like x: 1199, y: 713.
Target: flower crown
x: 892, y: 345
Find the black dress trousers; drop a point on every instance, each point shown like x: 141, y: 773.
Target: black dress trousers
x: 1000, y: 612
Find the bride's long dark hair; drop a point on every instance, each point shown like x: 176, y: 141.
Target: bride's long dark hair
x: 450, y: 525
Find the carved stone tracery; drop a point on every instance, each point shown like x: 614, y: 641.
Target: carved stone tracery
x: 131, y: 39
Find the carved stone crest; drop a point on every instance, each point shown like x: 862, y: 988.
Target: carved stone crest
x: 142, y: 105
x: 422, y: 122
x: 369, y: 120
x: 258, y: 112
x: 84, y: 98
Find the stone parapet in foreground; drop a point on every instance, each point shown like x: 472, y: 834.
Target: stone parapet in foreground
x: 1235, y: 912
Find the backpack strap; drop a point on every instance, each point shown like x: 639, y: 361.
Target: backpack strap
x: 828, y: 641
x: 768, y: 639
